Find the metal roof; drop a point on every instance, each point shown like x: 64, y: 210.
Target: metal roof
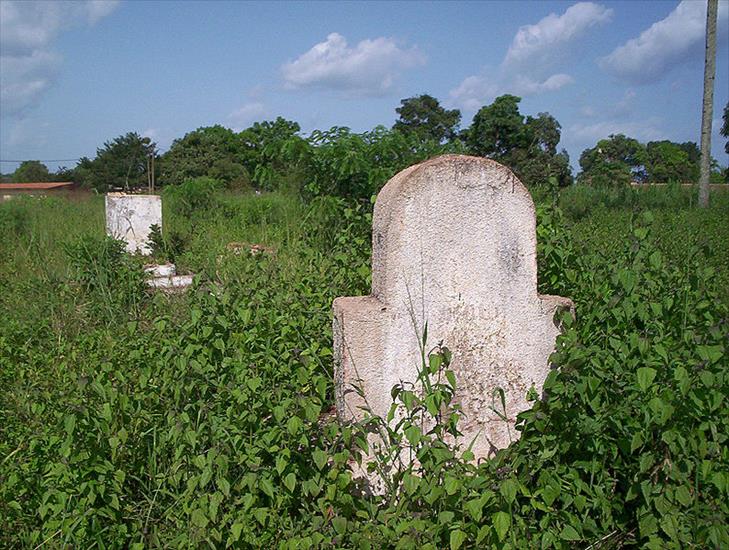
x: 41, y: 186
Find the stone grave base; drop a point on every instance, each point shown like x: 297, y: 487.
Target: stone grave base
x: 164, y: 277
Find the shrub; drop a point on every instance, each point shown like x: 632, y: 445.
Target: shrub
x: 113, y: 280
x: 14, y: 217
x: 193, y: 195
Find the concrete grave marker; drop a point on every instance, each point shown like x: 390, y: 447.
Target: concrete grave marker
x: 130, y: 218
x: 454, y: 244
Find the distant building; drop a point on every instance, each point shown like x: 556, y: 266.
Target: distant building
x: 10, y: 190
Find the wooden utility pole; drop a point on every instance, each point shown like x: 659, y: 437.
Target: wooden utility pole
x: 708, y: 106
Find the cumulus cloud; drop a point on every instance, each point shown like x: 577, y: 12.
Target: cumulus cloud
x: 665, y: 44
x: 473, y: 92
x: 28, y: 64
x: 369, y: 68
x: 245, y: 115
x: 623, y: 108
x: 523, y: 85
x: 534, y: 54
x: 543, y: 44
x: 647, y: 130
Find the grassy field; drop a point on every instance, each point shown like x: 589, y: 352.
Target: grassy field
x: 135, y: 420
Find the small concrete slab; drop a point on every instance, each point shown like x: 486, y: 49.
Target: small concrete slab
x: 162, y: 270
x: 172, y: 283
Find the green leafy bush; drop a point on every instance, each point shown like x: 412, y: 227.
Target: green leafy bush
x: 192, y: 195
x: 14, y: 217
x: 205, y: 419
x: 113, y: 280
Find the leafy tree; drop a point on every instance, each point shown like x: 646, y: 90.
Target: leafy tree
x: 542, y: 132
x: 65, y: 174
x: 31, y: 171
x: 423, y: 117
x: 122, y: 162
x: 212, y: 151
x: 692, y: 150
x: 667, y: 161
x: 496, y: 129
x: 617, y: 160
x: 527, y: 146
x: 358, y: 165
x: 274, y: 153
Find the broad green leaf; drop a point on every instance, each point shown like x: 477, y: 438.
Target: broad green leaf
x: 320, y: 458
x: 266, y: 486
x: 645, y: 377
x: 569, y: 533
x: 340, y: 524
x: 198, y: 518
x: 508, y: 489
x: 290, y: 481
x: 475, y: 508
x: 457, y: 538
x: 502, y: 522
x: 235, y: 531
x: 452, y: 485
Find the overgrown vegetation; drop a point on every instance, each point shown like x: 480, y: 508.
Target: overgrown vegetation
x: 134, y: 420
x: 275, y: 155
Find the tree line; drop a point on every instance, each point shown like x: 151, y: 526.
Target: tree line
x: 274, y: 155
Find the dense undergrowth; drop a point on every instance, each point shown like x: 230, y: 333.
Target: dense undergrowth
x: 133, y: 420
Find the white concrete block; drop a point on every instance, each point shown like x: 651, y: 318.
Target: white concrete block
x: 130, y: 218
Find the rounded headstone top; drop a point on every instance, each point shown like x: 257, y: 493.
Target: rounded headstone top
x: 463, y: 171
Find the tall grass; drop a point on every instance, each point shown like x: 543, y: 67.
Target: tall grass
x: 139, y: 420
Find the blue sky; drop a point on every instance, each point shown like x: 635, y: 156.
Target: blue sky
x: 76, y: 74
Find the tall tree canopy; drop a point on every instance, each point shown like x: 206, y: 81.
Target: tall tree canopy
x: 527, y: 146
x: 666, y: 161
x: 212, y: 151
x: 424, y: 117
x: 121, y: 162
x: 496, y: 129
x: 617, y: 160
x: 31, y: 171
x: 273, y: 150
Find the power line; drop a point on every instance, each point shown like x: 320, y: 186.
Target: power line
x: 40, y: 160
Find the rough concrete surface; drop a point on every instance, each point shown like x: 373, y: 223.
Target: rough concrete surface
x: 454, y: 245
x: 130, y: 218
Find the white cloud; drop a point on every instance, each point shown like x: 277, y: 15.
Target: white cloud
x: 666, y: 44
x: 28, y: 64
x: 473, y: 92
x: 523, y: 85
x: 543, y: 43
x: 24, y: 78
x: 535, y: 51
x: 245, y: 115
x: 647, y: 130
x: 368, y: 68
x: 619, y: 110
x: 478, y: 90
x: 98, y: 9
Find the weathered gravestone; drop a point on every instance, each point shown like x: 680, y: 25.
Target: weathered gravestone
x: 454, y: 244
x: 131, y: 217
